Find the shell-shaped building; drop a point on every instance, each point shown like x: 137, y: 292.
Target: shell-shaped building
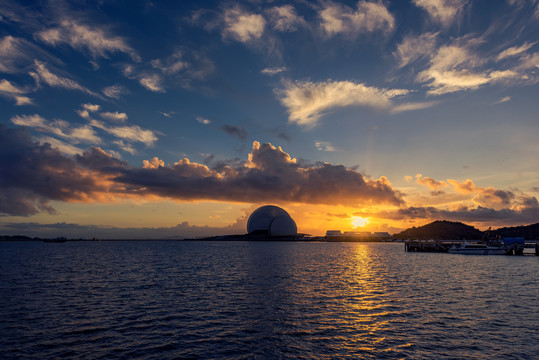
x: 271, y: 221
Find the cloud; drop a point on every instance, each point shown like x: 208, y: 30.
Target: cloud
x: 152, y: 82
x: 243, y: 26
x: 237, y: 131
x: 502, y: 100
x: 442, y: 11
x: 171, y: 65
x: 17, y: 55
x: 273, y: 71
x: 307, y: 101
x: 43, y: 74
x: 132, y: 133
x: 269, y: 174
x: 514, y: 51
x: 34, y: 174
x: 413, y: 48
x: 58, y: 128
x: 429, y: 182
x: 114, y: 116
x: 95, y: 41
x: 202, y: 120
x: 284, y: 18
x: 453, y: 68
x: 465, y: 187
x: 114, y: 91
x: 369, y: 17
x: 324, y: 146
x: 14, y: 92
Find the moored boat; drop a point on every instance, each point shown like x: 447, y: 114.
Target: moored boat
x: 477, y: 249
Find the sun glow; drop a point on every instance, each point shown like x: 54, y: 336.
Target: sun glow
x: 359, y: 221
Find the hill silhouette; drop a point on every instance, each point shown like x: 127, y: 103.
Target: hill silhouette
x: 451, y: 230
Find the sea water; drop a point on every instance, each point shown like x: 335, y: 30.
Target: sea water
x: 263, y: 300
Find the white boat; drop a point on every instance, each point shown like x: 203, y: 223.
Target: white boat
x: 477, y: 249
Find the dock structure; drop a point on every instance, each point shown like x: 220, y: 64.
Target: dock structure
x: 443, y: 246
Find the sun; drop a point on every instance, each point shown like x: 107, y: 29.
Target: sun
x: 359, y: 221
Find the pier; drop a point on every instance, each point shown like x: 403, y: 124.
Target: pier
x: 443, y: 246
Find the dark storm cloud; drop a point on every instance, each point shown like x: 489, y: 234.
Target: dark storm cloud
x: 236, y: 131
x: 32, y: 175
x: 269, y: 175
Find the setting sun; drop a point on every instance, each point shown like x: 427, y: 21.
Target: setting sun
x: 359, y: 221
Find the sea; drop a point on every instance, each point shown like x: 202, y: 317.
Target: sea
x: 263, y: 300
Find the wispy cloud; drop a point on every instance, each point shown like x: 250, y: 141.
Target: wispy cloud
x: 307, y: 101
x: 368, y: 17
x: 502, y: 100
x: 236, y: 131
x: 243, y: 26
x: 515, y: 51
x: 324, y: 146
x: 284, y: 18
x: 43, y: 74
x: 202, y: 120
x: 132, y: 133
x: 443, y: 11
x: 114, y: 116
x: 414, y: 47
x: 59, y: 128
x: 93, y: 40
x: 114, y: 91
x: 273, y: 71
x: 9, y: 90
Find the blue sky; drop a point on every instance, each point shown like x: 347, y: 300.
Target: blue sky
x: 123, y: 118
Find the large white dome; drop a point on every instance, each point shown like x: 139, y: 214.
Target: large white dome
x: 271, y: 220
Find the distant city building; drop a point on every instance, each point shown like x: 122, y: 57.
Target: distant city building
x: 333, y: 233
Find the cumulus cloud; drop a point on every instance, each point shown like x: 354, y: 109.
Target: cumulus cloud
x: 307, y: 101
x: 36, y: 174
x: 243, y: 26
x: 93, y: 40
x: 368, y: 17
x: 429, y: 182
x: 442, y: 11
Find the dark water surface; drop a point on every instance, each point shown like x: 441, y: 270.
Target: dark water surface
x: 260, y: 300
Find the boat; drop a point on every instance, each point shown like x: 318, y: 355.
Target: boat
x: 478, y: 249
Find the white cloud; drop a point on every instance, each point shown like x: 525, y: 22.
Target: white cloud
x: 17, y: 55
x: 307, y: 101
x: 368, y: 17
x: 502, y: 100
x: 125, y: 146
x: 43, y: 74
x: 414, y: 47
x: 413, y: 106
x: 442, y: 11
x: 152, y: 82
x: 171, y: 65
x: 86, y: 38
x: 130, y: 133
x: 114, y: 91
x: 514, y: 51
x: 203, y: 120
x: 324, y: 146
x: 273, y: 71
x: 284, y: 18
x: 7, y: 89
x: 64, y: 147
x: 91, y: 107
x: 243, y: 26
x: 114, y: 116
x: 58, y: 127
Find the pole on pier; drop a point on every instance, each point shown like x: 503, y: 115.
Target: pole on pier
x: 536, y: 249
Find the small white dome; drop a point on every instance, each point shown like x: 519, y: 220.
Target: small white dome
x: 272, y: 220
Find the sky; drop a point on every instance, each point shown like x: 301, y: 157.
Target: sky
x: 171, y: 119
